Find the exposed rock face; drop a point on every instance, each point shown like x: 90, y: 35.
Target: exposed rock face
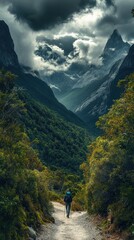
x: 115, y: 48
x: 8, y: 56
x: 129, y: 60
x: 101, y: 100
x: 93, y: 100
x: 47, y: 53
x: 126, y: 68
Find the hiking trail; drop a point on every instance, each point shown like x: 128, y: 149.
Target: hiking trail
x: 78, y: 227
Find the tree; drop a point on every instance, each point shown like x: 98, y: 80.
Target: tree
x: 111, y: 161
x: 24, y: 199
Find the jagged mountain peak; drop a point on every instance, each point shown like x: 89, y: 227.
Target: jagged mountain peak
x: 8, y: 56
x: 3, y: 24
x: 115, y: 42
x: 116, y: 35
x: 115, y: 49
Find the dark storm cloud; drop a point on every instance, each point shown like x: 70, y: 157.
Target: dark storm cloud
x: 110, y: 2
x: 108, y: 20
x: 118, y: 16
x: 44, y: 14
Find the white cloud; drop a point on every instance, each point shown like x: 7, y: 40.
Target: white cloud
x: 87, y: 51
x: 91, y: 37
x: 57, y: 50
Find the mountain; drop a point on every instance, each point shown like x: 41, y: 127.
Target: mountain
x: 107, y: 92
x: 79, y: 98
x: 47, y: 53
x: 78, y: 74
x: 93, y: 94
x: 115, y: 48
x: 54, y: 131
x: 61, y: 58
x: 88, y: 91
x: 126, y: 68
x: 8, y: 56
x: 60, y: 83
x: 31, y: 82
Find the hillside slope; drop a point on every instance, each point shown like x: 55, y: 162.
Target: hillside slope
x: 50, y: 126
x: 61, y: 144
x: 35, y: 87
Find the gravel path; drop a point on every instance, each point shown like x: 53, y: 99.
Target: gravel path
x: 78, y: 227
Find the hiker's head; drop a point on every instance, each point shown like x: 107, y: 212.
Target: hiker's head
x: 68, y: 192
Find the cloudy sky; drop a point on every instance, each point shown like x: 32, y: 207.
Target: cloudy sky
x: 70, y: 29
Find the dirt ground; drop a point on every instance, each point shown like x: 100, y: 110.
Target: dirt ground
x: 78, y: 227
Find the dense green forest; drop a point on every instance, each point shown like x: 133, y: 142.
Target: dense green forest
x: 60, y: 144
x: 109, y: 171
x: 24, y: 197
x: 40, y: 155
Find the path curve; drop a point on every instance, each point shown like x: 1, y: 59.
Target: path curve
x: 78, y: 227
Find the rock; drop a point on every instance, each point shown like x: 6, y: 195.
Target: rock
x: 8, y: 56
x: 32, y: 233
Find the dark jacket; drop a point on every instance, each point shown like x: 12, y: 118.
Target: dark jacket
x: 68, y: 197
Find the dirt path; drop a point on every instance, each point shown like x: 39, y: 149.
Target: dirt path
x: 78, y: 227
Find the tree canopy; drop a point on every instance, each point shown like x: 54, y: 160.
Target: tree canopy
x: 110, y: 167
x: 23, y: 190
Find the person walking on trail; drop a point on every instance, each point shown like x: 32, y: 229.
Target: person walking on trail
x: 68, y: 200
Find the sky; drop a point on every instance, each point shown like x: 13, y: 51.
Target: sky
x: 75, y: 30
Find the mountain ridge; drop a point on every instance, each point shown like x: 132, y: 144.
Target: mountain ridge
x: 37, y: 88
x: 94, y: 99
x: 126, y: 67
x: 58, y: 135
x: 8, y: 57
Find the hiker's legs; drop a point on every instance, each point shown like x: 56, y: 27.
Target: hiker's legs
x: 68, y: 206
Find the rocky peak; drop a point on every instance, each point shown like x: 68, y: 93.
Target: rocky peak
x: 115, y: 41
x: 8, y: 56
x: 115, y: 48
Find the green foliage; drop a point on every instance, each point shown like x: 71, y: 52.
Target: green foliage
x: 110, y: 167
x: 24, y: 197
x: 60, y: 144
x: 58, y: 183
x: 23, y: 179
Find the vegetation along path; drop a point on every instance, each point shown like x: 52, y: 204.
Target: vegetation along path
x: 78, y: 227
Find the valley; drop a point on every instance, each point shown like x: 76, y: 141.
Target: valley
x: 66, y: 120
x: 91, y: 92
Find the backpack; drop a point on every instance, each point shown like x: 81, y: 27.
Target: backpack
x: 68, y: 198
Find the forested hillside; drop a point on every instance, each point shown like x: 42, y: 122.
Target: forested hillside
x: 60, y: 144
x: 24, y: 197
x: 110, y: 168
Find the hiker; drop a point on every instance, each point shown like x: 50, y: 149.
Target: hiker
x: 68, y: 200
